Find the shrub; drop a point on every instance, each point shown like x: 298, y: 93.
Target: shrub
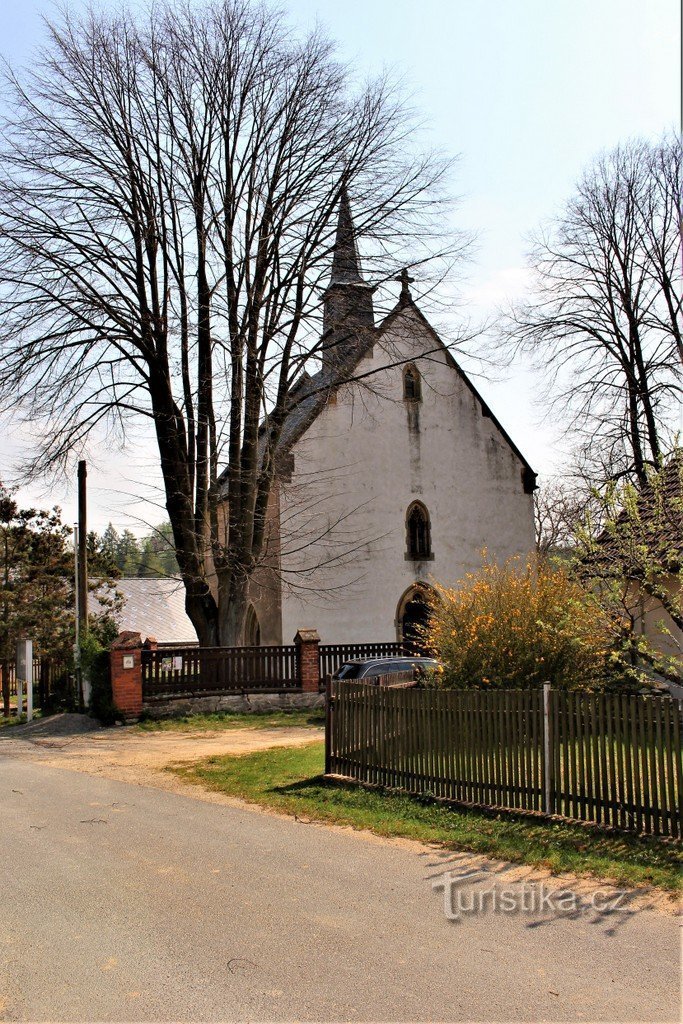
x: 518, y: 625
x: 95, y: 662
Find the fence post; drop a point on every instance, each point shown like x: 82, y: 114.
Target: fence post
x: 126, y: 674
x: 308, y: 659
x: 329, y: 711
x: 547, y: 752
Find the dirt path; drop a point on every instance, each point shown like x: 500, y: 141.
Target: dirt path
x: 128, y: 755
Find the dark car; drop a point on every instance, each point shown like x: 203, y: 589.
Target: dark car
x: 371, y: 668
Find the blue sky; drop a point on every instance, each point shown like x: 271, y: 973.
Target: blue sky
x: 526, y: 91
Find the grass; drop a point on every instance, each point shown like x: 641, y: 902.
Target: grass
x: 7, y: 723
x: 290, y: 779
x: 308, y: 717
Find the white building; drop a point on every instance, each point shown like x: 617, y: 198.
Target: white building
x: 394, y: 473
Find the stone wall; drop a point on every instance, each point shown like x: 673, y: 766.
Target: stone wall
x: 235, y: 702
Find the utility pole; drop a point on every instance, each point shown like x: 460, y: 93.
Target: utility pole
x: 77, y: 619
x: 82, y: 549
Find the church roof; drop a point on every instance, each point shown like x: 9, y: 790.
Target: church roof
x: 309, y: 394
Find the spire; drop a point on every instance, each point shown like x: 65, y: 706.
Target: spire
x: 345, y: 264
x: 348, y: 312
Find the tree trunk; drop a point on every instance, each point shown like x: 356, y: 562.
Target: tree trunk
x: 232, y: 609
x: 201, y: 610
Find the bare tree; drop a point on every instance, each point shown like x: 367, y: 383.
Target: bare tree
x: 168, y: 201
x: 605, y: 323
x: 629, y: 551
x: 559, y: 508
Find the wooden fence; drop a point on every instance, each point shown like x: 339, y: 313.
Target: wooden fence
x: 47, y: 674
x: 200, y: 671
x: 168, y: 670
x: 334, y: 655
x: 610, y: 759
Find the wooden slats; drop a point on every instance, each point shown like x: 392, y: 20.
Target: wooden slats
x: 193, y: 671
x: 334, y: 655
x: 613, y: 759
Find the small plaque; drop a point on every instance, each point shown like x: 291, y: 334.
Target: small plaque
x: 166, y: 664
x: 178, y: 663
x: 129, y: 661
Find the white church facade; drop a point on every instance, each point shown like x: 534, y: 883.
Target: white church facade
x: 394, y: 474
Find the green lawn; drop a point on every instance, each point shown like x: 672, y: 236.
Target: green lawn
x: 313, y: 717
x: 290, y: 779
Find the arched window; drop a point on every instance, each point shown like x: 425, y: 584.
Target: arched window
x: 418, y: 532
x: 252, y: 629
x: 412, y: 385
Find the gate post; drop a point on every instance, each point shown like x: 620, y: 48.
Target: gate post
x: 125, y: 660
x: 547, y: 753
x: 308, y: 659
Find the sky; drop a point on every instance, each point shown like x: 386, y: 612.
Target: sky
x: 526, y: 92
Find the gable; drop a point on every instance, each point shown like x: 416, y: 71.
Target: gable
x: 434, y: 343
x: 310, y: 394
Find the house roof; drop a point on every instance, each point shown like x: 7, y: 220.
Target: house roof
x: 672, y: 493
x: 155, y: 607
x: 659, y: 516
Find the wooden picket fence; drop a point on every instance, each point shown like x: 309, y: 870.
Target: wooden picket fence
x: 611, y: 759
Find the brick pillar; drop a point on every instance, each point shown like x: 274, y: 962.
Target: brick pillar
x: 126, y: 674
x: 308, y: 659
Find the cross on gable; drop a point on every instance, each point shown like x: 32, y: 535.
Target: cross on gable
x: 405, y: 281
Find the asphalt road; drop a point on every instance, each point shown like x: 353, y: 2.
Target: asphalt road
x: 125, y: 903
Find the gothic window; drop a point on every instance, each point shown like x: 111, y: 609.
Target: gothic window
x: 252, y: 629
x: 412, y: 386
x: 419, y: 533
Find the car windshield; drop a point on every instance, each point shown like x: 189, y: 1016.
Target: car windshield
x: 349, y: 671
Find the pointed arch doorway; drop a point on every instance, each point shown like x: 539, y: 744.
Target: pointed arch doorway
x: 412, y: 616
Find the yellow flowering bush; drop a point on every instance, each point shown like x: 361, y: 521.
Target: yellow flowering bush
x: 517, y: 625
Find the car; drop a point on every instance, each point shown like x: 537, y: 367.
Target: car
x: 371, y: 668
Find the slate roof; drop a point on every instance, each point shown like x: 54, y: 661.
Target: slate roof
x: 156, y: 607
x: 308, y: 397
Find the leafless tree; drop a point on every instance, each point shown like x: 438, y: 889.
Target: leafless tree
x: 606, y: 320
x: 168, y: 197
x: 559, y: 508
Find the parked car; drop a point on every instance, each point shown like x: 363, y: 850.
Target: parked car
x: 371, y: 668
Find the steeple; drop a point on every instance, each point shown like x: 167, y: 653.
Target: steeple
x: 345, y: 266
x: 347, y: 312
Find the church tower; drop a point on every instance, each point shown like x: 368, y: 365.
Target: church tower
x: 348, y: 313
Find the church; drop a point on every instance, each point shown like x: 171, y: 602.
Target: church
x: 393, y: 474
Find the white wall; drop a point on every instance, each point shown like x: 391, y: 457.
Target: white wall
x: 356, y: 471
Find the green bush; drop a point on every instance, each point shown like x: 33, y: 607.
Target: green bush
x: 95, y: 663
